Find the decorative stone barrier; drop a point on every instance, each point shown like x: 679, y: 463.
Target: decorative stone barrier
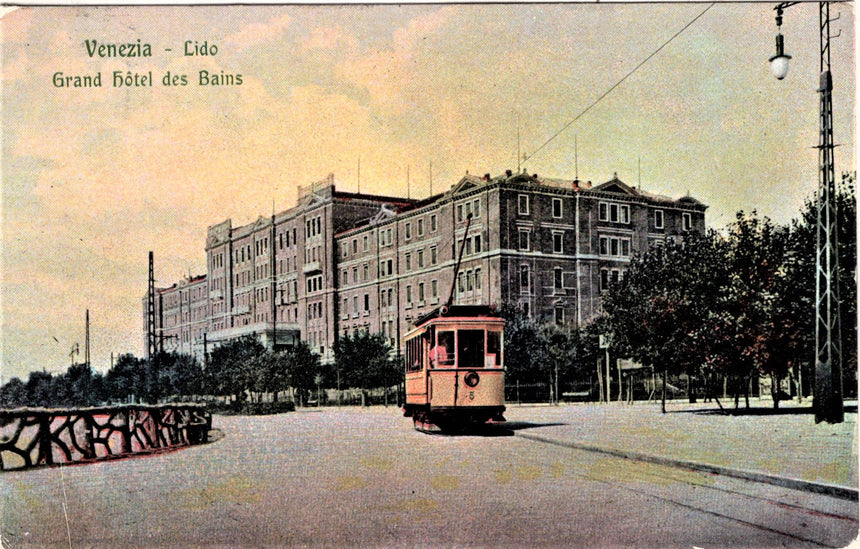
x: 31, y: 437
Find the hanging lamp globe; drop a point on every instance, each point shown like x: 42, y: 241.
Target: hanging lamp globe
x: 779, y: 62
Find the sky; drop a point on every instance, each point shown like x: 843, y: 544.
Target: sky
x: 399, y: 99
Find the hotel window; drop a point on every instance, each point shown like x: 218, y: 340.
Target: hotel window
x: 365, y: 272
x: 478, y: 278
x: 523, y: 208
x: 408, y: 230
x: 366, y: 303
x: 524, y: 278
x: 434, y: 288
x: 460, y: 212
x: 658, y: 219
x: 420, y: 227
x: 355, y: 305
x: 434, y: 255
x: 556, y: 208
x: 557, y: 278
x: 355, y: 245
x: 408, y: 262
x: 477, y: 243
x: 433, y: 223
x: 421, y: 292
x: 409, y: 295
x: 559, y: 316
x: 477, y: 207
x: 524, y: 240
x: 420, y: 258
x: 687, y: 220
x: 557, y: 243
x: 461, y: 282
x: 354, y: 275
x: 604, y: 280
x: 365, y: 243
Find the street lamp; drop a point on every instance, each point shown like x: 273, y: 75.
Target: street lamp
x: 827, y: 398
x: 779, y: 62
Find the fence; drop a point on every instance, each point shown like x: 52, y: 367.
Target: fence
x: 30, y: 437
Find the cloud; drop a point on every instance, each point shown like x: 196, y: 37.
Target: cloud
x: 329, y: 38
x: 258, y: 33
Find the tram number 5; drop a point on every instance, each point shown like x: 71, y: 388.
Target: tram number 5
x: 471, y: 395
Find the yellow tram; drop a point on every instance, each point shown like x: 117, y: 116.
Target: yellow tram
x: 454, y: 368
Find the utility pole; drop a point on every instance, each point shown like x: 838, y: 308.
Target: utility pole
x: 827, y: 397
x: 151, y: 340
x: 87, y: 341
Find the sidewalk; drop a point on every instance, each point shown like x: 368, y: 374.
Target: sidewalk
x: 783, y: 447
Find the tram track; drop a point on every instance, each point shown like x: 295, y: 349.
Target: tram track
x: 811, y: 523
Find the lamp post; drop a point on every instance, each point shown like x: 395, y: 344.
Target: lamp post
x: 827, y: 395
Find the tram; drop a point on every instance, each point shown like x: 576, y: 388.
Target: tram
x: 454, y: 368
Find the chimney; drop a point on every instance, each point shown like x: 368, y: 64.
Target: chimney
x: 508, y: 173
x: 486, y: 177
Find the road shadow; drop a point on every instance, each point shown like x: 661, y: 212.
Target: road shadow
x: 506, y: 429
x: 758, y: 411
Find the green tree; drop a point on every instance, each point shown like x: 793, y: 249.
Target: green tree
x: 803, y: 244
x: 745, y: 324
x: 126, y: 379
x: 177, y: 375
x: 13, y: 394
x: 527, y: 355
x: 40, y: 389
x: 233, y: 366
x: 303, y: 367
x: 364, y: 361
x: 655, y: 312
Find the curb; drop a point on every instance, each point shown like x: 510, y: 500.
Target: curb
x: 833, y: 490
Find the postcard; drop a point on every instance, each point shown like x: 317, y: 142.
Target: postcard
x: 514, y: 275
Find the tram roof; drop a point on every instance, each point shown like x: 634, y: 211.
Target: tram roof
x: 458, y: 311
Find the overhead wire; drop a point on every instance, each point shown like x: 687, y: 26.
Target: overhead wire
x: 626, y: 76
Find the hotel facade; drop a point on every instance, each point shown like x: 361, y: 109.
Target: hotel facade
x: 339, y: 262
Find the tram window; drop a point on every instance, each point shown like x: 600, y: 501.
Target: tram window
x: 470, y: 348
x: 414, y: 356
x: 442, y: 354
x: 494, y: 349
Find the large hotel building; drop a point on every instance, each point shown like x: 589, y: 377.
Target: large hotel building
x: 340, y: 262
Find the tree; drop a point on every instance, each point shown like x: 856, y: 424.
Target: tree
x: 233, y: 365
x: 527, y: 357
x: 803, y: 248
x: 78, y: 387
x: 177, y: 375
x: 364, y: 361
x: 127, y: 379
x: 303, y: 367
x: 13, y: 394
x: 655, y: 312
x: 745, y: 325
x: 40, y: 389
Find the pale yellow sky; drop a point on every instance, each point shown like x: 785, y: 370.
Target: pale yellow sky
x: 92, y: 179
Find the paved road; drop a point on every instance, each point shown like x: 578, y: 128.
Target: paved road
x: 362, y: 477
